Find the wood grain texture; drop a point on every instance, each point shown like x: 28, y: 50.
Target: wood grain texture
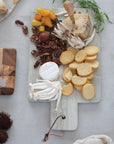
x: 7, y: 70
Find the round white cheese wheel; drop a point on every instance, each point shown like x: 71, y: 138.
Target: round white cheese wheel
x: 49, y: 71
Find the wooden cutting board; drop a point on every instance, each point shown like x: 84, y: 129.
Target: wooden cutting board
x: 7, y: 71
x: 69, y: 104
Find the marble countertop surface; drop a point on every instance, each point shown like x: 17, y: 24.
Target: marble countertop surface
x: 31, y: 120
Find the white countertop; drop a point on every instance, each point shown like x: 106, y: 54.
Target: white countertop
x: 31, y: 120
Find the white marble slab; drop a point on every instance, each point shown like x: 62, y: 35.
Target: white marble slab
x: 69, y: 104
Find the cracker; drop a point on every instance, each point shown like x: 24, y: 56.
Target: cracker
x: 67, y: 75
x: 91, y: 50
x: 67, y: 89
x: 66, y: 57
x: 73, y: 65
x: 84, y: 69
x: 73, y: 72
x: 79, y: 81
x: 80, y: 56
x: 79, y: 88
x: 73, y: 50
x: 89, y: 82
x: 88, y: 91
x: 94, y: 64
x: 91, y: 58
x: 91, y: 76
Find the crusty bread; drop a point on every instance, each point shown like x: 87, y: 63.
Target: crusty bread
x: 80, y: 56
x: 91, y: 58
x: 82, y: 25
x: 94, y: 64
x: 66, y: 57
x: 79, y: 81
x: 79, y: 88
x: 91, y: 50
x: 73, y: 50
x: 84, y: 69
x: 88, y: 91
x: 67, y: 89
x: 73, y: 65
x: 67, y: 74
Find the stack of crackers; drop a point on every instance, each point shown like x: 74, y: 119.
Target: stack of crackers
x: 80, y: 70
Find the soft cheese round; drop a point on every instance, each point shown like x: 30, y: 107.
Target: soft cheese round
x: 49, y: 71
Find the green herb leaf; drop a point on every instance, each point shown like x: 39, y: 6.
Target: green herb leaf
x: 64, y: 1
x: 53, y: 1
x: 107, y: 17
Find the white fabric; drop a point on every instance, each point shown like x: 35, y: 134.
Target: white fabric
x: 95, y: 139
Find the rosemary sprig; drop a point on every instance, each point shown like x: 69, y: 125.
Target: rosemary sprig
x: 62, y: 0
x: 97, y: 13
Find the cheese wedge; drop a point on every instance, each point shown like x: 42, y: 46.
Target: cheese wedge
x: 82, y: 25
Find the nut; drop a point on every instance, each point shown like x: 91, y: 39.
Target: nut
x: 25, y: 30
x: 58, y: 53
x: 35, y: 53
x: 37, y: 63
x: 35, y: 31
x: 57, y: 62
x: 34, y: 38
x: 19, y: 22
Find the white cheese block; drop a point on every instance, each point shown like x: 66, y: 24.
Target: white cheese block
x: 81, y: 27
x: 49, y: 71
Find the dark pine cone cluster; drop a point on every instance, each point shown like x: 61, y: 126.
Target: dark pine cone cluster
x: 5, y: 124
x: 50, y: 50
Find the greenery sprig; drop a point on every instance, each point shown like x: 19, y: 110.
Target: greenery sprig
x: 97, y: 13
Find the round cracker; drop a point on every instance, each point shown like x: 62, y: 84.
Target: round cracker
x: 79, y: 88
x: 73, y: 50
x: 94, y: 64
x: 67, y: 89
x: 79, y: 81
x: 66, y: 57
x: 73, y: 72
x: 89, y: 82
x: 88, y: 91
x: 80, y: 56
x: 84, y: 69
x: 67, y: 74
x: 91, y: 58
x: 91, y: 50
x: 73, y: 65
x: 91, y: 76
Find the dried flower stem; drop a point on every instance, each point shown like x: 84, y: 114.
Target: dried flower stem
x: 49, y: 132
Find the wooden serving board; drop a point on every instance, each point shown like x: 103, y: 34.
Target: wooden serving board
x: 7, y: 71
x: 69, y: 104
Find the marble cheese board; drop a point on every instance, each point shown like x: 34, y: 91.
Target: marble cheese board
x: 68, y: 105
